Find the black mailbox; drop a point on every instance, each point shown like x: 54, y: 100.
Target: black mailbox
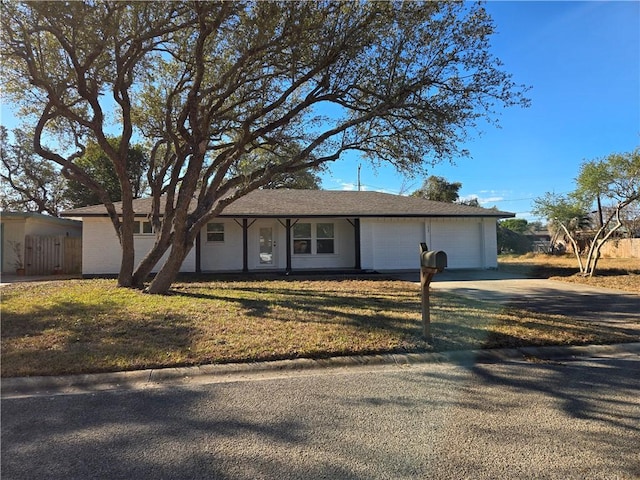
x: 434, y: 259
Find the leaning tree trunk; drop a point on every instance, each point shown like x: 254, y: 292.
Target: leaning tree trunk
x: 170, y: 269
x: 146, y: 265
x: 575, y: 247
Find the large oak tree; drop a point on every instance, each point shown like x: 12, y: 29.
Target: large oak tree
x: 209, y: 84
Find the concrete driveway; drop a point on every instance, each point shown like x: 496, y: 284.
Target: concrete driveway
x: 599, y: 305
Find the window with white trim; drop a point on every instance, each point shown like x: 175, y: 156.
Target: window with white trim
x: 215, y: 232
x: 142, y: 228
x: 313, y: 239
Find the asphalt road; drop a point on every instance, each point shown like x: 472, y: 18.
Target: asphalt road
x: 546, y: 419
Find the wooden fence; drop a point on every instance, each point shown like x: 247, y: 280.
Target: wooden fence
x: 622, y: 248
x: 48, y: 255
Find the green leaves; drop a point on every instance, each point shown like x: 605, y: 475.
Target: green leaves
x: 561, y: 209
x: 616, y: 177
x: 439, y: 189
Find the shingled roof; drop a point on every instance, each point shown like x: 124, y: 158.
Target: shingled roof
x: 321, y: 203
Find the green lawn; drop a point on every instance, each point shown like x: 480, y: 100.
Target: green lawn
x: 80, y: 326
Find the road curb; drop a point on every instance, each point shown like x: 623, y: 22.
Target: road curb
x: 140, y: 379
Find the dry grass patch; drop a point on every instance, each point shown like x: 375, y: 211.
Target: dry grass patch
x: 81, y: 326
x: 616, y: 273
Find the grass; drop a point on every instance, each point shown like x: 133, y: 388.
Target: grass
x: 616, y: 273
x: 83, y: 326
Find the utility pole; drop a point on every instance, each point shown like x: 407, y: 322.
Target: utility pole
x: 600, y: 219
x: 359, y: 167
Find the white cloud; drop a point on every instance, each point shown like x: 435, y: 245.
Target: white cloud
x: 483, y: 200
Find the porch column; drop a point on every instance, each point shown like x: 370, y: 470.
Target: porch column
x: 245, y: 245
x: 198, y: 253
x: 288, y: 248
x: 356, y: 231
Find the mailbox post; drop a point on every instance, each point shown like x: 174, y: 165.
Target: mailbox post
x: 431, y: 262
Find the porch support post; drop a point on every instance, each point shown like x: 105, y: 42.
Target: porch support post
x: 288, y: 248
x: 198, y: 253
x: 356, y: 227
x: 245, y: 245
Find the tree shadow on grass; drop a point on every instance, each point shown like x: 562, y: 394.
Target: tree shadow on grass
x: 339, y: 318
x: 65, y: 337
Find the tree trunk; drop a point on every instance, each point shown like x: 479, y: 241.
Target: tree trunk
x: 170, y: 269
x: 144, y: 268
x: 125, y: 276
x: 594, y: 254
x: 575, y: 247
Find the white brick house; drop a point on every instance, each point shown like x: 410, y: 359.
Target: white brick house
x: 297, y: 230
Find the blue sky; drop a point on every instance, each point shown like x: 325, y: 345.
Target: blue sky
x: 582, y: 60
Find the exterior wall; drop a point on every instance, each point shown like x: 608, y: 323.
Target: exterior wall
x: 490, y: 242
x: 222, y: 256
x: 101, y: 254
x: 12, y: 231
x: 46, y: 227
x: 386, y: 244
x: 392, y: 244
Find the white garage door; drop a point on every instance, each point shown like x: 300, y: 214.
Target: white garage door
x: 461, y: 240
x: 396, y: 245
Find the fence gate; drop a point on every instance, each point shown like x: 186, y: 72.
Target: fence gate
x: 47, y: 255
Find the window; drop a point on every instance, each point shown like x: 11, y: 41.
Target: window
x: 142, y: 228
x: 302, y: 238
x: 314, y: 239
x: 215, y: 232
x: 324, y: 238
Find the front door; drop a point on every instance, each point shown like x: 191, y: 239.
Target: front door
x: 266, y: 247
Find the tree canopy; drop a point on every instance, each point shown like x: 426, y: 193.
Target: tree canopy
x: 518, y: 225
x: 439, y: 189
x: 97, y: 164
x: 29, y: 183
x: 511, y: 236
x: 208, y: 84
